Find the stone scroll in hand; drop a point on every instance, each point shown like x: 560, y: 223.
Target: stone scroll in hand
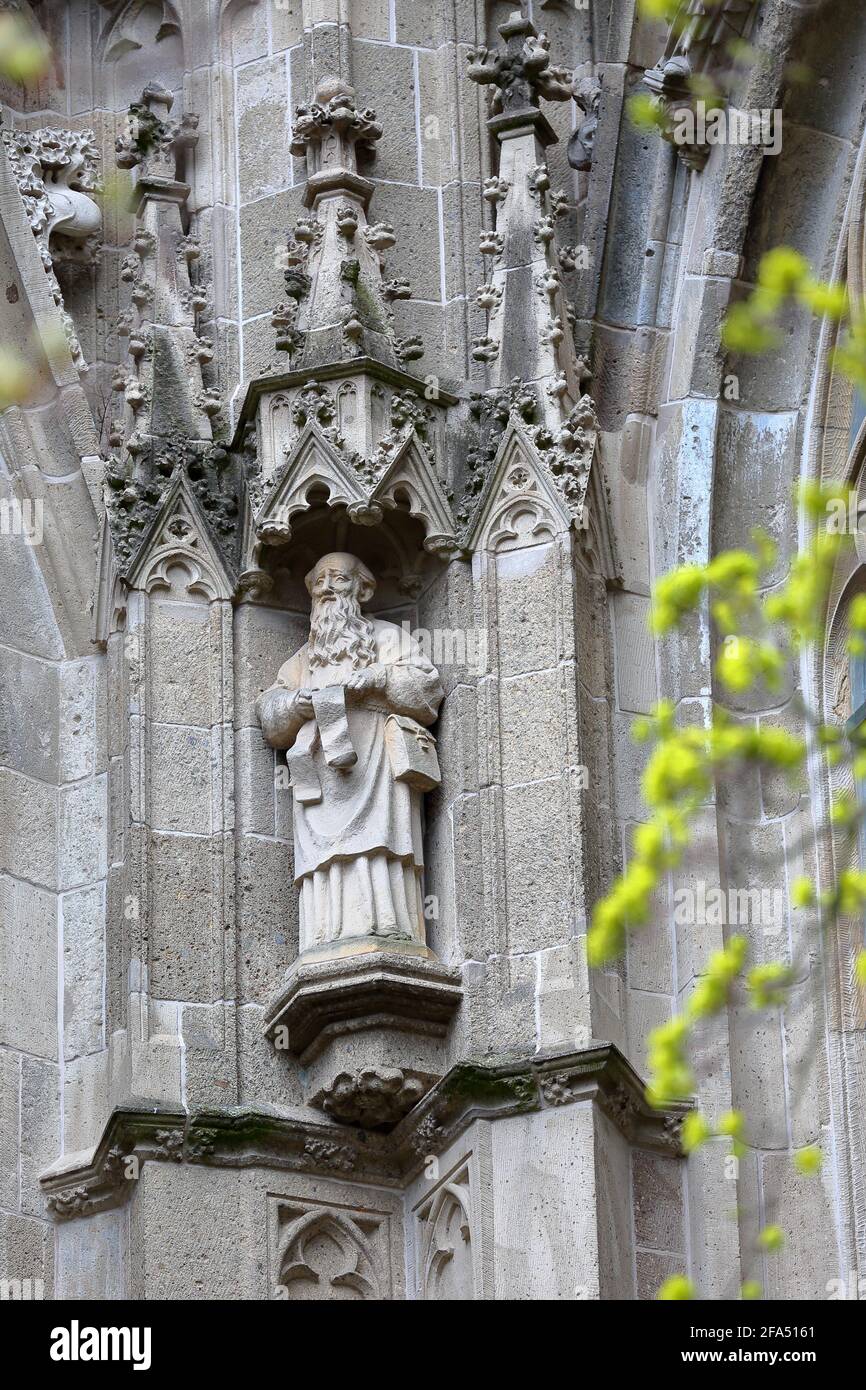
x: 333, y: 725
x: 301, y: 764
x: 330, y: 728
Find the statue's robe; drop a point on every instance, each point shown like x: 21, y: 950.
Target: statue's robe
x: 358, y: 849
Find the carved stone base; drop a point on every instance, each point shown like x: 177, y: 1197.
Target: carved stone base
x: 363, y: 946
x: 369, y: 1030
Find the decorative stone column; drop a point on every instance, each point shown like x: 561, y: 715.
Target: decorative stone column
x: 337, y: 305
x: 528, y: 336
x: 161, y: 325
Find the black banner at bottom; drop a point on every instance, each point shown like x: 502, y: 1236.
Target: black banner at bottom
x: 199, y: 1337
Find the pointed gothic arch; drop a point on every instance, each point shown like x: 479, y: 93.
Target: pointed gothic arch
x: 143, y: 41
x: 324, y: 1255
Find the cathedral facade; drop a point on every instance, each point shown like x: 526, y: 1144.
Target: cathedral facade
x: 373, y: 376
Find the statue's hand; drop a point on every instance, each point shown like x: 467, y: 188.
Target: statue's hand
x: 371, y: 678
x: 304, y: 704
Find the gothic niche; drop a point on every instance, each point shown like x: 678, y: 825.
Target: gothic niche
x: 353, y: 707
x: 140, y: 39
x: 351, y: 509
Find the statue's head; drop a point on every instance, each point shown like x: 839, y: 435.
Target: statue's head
x: 338, y: 585
x: 340, y: 574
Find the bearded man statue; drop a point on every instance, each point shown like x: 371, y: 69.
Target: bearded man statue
x: 353, y: 708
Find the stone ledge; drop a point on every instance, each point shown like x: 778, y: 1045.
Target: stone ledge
x: 261, y: 1136
x: 381, y: 988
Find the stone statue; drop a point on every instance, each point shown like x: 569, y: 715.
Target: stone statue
x: 353, y: 708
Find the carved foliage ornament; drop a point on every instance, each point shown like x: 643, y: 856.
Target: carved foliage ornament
x: 133, y: 501
x: 333, y: 114
x: 56, y: 171
x: 521, y: 72
x: 374, y: 1097
x: 581, y: 146
x: 152, y: 141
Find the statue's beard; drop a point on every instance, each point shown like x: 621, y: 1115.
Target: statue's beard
x: 339, y: 631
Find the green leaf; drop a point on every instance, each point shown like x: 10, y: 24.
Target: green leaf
x: 771, y: 1238
x: 645, y: 112
x: 676, y: 1288
x: 24, y: 53
x: 782, y: 271
x: 744, y: 331
x: 695, y: 1131
x: 809, y: 1160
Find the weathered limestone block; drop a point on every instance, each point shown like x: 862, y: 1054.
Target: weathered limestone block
x: 210, y: 1220
x: 87, y: 1100
x: 659, y: 1214
x: 156, y: 1061
x: 29, y: 734
x: 28, y: 955
x: 30, y: 627
x: 263, y: 127
x: 258, y: 768
x: 544, y: 1219
x: 180, y: 804
x: 40, y: 1124
x: 82, y: 813
x: 262, y: 1072
x: 760, y: 451
x: 83, y: 720
x: 541, y: 824
x: 809, y: 1260
x: 615, y: 1221
x: 185, y: 953
x: 389, y: 72
x: 210, y: 1054
x: 268, y: 937
x: 263, y: 225
x: 94, y: 1260
x: 10, y: 1085
x: 371, y: 19
x: 27, y: 1254
x: 562, y: 995
x: 83, y: 936
x: 416, y: 257
x: 28, y: 842
x: 650, y: 953
x: 180, y: 640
